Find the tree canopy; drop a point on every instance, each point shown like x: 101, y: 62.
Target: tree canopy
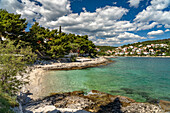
x: 52, y: 43
x: 11, y: 25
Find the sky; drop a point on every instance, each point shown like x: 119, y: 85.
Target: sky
x: 106, y: 22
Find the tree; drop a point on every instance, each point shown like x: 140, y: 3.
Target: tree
x: 13, y: 66
x: 60, y: 30
x: 11, y: 25
x: 36, y: 37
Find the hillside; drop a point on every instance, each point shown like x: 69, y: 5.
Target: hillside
x: 105, y: 48
x: 164, y: 41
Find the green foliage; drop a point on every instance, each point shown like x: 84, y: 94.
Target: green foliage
x: 6, y: 101
x: 164, y: 41
x: 43, y: 41
x: 63, y: 45
x: 11, y: 26
x: 73, y: 58
x: 13, y: 66
x: 105, y: 48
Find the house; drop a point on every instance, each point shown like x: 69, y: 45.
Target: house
x: 144, y: 48
x: 138, y: 50
x: 146, y: 53
x: 116, y: 53
x: 70, y: 55
x: 109, y: 52
x: 151, y: 50
x: 163, y: 45
x: 132, y: 53
x: 131, y: 47
x: 126, y: 53
x: 153, y: 45
x: 125, y: 49
x: 153, y: 53
x: 139, y: 53
x: 121, y: 53
x: 98, y: 50
x: 163, y: 54
x: 140, y: 45
x: 149, y: 46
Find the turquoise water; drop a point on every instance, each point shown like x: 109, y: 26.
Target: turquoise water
x: 143, y: 79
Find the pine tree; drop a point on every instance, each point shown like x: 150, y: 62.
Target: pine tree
x: 13, y: 65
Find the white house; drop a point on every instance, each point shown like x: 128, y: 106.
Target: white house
x: 149, y: 46
x: 139, y: 53
x: 145, y: 53
x: 132, y: 53
x: 71, y: 54
x: 163, y: 54
x: 131, y: 47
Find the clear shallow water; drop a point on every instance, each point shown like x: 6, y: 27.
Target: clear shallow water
x: 142, y: 79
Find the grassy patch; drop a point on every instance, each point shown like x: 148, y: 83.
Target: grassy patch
x: 6, y: 102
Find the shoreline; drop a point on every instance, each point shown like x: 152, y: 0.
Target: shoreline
x: 140, y: 56
x: 36, y: 89
x: 38, y: 71
x: 76, y: 65
x: 94, y: 102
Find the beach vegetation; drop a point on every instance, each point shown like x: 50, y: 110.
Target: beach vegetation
x: 13, y: 66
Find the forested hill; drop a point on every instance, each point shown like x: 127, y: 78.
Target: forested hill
x: 164, y: 41
x: 105, y: 48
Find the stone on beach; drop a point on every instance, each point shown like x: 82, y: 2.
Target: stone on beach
x: 95, y: 101
x: 165, y: 105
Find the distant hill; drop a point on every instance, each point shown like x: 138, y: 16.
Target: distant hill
x: 164, y: 41
x: 105, y: 48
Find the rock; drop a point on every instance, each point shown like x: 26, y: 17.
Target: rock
x: 165, y: 105
x: 74, y: 102
x: 107, y: 103
x: 95, y: 101
x: 141, y: 108
x: 46, y: 109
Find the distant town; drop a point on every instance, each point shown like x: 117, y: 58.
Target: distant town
x: 139, y: 50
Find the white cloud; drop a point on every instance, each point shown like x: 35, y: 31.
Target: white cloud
x: 127, y: 35
x: 103, y: 26
x: 151, y: 37
x: 102, y: 23
x: 121, y: 38
x: 155, y: 13
x: 167, y: 26
x: 145, y: 25
x: 167, y: 30
x: 114, y: 3
x: 134, y: 3
x: 40, y: 10
x: 159, y: 26
x: 159, y: 32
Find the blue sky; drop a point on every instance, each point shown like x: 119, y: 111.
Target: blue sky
x: 107, y: 22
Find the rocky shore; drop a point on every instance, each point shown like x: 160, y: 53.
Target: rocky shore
x: 40, y: 69
x: 91, y: 62
x: 93, y: 102
x: 77, y: 101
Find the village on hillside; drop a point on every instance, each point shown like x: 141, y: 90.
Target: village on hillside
x: 140, y: 50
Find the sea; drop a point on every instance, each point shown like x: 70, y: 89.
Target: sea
x: 140, y: 78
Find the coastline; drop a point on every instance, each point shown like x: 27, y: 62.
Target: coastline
x: 79, y: 100
x: 140, y: 56
x: 76, y: 65
x: 35, y: 86
x: 94, y: 102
